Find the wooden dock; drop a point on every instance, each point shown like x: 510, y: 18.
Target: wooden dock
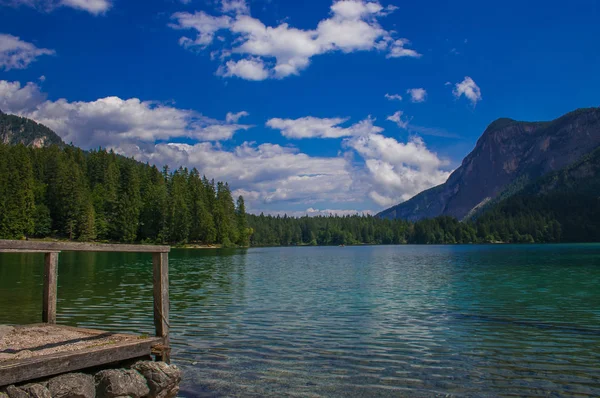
x: 29, y: 352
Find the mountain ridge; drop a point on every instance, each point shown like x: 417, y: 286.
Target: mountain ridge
x: 507, y: 150
x: 16, y: 130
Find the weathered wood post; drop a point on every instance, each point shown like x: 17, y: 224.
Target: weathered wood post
x: 50, y: 287
x: 160, y: 263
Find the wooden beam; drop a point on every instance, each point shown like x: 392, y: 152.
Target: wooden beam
x: 26, y: 251
x: 160, y: 263
x: 50, y: 288
x: 79, y: 247
x: 15, y: 371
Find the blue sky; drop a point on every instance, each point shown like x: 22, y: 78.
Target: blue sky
x: 287, y: 100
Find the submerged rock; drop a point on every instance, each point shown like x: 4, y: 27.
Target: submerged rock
x: 114, y: 383
x: 162, y: 379
x: 72, y: 385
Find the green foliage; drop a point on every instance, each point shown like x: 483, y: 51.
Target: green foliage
x: 69, y: 193
x: 16, y: 130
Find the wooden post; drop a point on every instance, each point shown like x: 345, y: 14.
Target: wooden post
x: 160, y: 263
x: 50, y: 288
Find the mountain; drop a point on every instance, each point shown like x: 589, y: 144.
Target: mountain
x: 562, y: 206
x: 19, y: 130
x: 508, y: 156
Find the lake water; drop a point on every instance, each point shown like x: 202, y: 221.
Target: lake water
x: 346, y: 321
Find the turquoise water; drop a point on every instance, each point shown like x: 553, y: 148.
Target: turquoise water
x: 347, y: 322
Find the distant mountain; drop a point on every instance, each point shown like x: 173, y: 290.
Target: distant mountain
x: 19, y: 130
x: 509, y: 155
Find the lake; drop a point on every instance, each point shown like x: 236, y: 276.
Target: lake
x: 489, y: 320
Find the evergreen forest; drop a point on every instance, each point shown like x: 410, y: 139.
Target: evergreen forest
x: 65, y: 192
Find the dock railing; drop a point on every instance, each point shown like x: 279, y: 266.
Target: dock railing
x: 51, y: 250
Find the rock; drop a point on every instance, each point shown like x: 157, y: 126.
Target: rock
x: 162, y: 379
x: 72, y: 385
x: 6, y: 357
x: 3, y: 395
x: 113, y: 383
x: 36, y: 391
x: 15, y: 392
x: 5, y: 330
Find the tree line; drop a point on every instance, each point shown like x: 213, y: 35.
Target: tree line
x: 99, y: 195
x: 556, y: 218
x: 65, y: 192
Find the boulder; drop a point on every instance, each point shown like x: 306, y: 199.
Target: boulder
x: 112, y: 383
x: 162, y: 379
x: 36, y: 391
x: 15, y: 392
x: 72, y: 385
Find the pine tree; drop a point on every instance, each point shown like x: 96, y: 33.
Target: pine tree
x: 244, y: 232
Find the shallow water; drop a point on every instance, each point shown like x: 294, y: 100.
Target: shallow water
x: 351, y: 321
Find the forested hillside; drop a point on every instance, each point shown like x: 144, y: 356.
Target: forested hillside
x: 561, y: 207
x: 19, y: 130
x: 98, y: 195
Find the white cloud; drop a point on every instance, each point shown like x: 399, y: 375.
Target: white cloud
x: 234, y: 6
x: 206, y: 26
x: 281, y: 51
x: 17, y: 99
x: 311, y: 212
x: 469, y: 89
x: 382, y: 200
x: 313, y: 127
x: 105, y: 121
x: 417, y: 94
x: 393, y: 97
x: 18, y: 54
x: 94, y: 7
x: 397, y: 171
x: 248, y: 69
x: 397, y: 118
x: 398, y: 50
x: 235, y: 117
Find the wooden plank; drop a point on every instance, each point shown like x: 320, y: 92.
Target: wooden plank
x: 26, y: 251
x: 79, y: 247
x: 16, y: 371
x: 50, y: 288
x: 160, y: 263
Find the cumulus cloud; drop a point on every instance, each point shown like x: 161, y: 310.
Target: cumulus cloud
x: 313, y: 127
x: 393, y: 97
x: 108, y: 120
x: 248, y: 69
x: 397, y: 118
x: 398, y: 171
x: 18, y: 54
x: 469, y: 89
x: 260, y: 51
x: 94, y: 7
x: 417, y: 94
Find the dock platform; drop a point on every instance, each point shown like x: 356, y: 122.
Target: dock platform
x: 29, y: 352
